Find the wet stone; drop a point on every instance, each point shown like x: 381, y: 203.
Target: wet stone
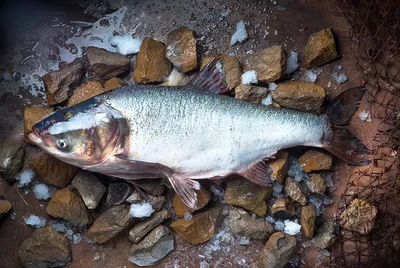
x: 106, y: 64
x: 110, y: 223
x: 5, y: 207
x: 53, y: 171
x: 283, y: 208
x: 359, y: 216
x: 277, y: 250
x: 118, y: 192
x: 12, y: 154
x: 320, y: 49
x: 45, y: 248
x: 60, y: 84
x: 66, y: 205
x: 144, y: 227
x: 231, y: 66
x: 299, y: 95
x: 181, y: 49
x: 313, y: 160
x: 251, y: 93
x: 241, y: 223
x: 203, y: 197
x: 294, y: 190
x: 134, y: 198
x: 90, y: 188
x: 32, y: 115
x: 307, y: 220
x: 201, y: 227
x: 151, y: 186
x: 86, y: 91
x: 316, y: 184
x: 114, y: 83
x: 243, y: 193
x: 279, y: 166
x: 154, y: 247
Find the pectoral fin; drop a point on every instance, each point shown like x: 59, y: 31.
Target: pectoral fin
x: 184, y: 188
x: 259, y: 173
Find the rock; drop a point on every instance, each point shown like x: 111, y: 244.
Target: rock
x: 110, y: 223
x: 269, y: 63
x: 60, y: 84
x: 151, y: 186
x: 203, y: 197
x: 299, y: 95
x: 66, y: 205
x: 176, y: 78
x: 142, y: 228
x: 45, y: 248
x: 181, y: 49
x: 231, y: 66
x: 32, y: 115
x: 277, y: 250
x: 151, y: 64
x: 315, y: 160
x: 153, y: 247
x: 316, y: 184
x: 280, y: 166
x: 359, y: 216
x: 243, y: 193
x: 113, y: 83
x: 90, y: 188
x: 53, y: 171
x: 320, y: 49
x: 118, y: 192
x: 240, y: 223
x: 156, y: 201
x: 251, y: 93
x: 106, y: 64
x: 12, y: 154
x: 307, y: 220
x: 294, y: 190
x: 324, y: 238
x: 5, y: 207
x: 134, y: 198
x: 201, y: 227
x: 283, y: 209
x: 86, y: 91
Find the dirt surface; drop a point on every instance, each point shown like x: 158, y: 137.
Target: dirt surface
x: 34, y: 52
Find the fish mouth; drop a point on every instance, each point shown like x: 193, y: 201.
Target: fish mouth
x: 35, y: 138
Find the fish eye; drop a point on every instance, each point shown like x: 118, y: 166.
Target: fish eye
x: 62, y: 144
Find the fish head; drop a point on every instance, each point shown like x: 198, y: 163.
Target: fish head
x: 82, y: 135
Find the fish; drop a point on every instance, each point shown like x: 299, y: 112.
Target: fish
x: 188, y: 133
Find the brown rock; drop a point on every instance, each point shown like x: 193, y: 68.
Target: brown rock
x: 269, y: 63
x: 283, y: 208
x: 151, y: 64
x: 32, y: 115
x: 110, y: 223
x: 277, y: 250
x: 201, y: 227
x: 45, y: 248
x: 279, y: 166
x: 151, y: 186
x: 307, y: 220
x: 250, y: 196
x: 66, y: 205
x: 233, y: 71
x: 181, y: 49
x: 299, y: 95
x: 53, y: 171
x: 315, y: 160
x: 324, y: 238
x: 251, y: 93
x: 203, y: 197
x: 86, y: 91
x: 320, y: 49
x: 12, y: 155
x: 106, y: 64
x: 60, y: 84
x: 316, y: 184
x: 359, y: 216
x: 240, y: 223
x: 5, y: 207
x: 113, y: 83
x: 90, y: 188
x: 294, y: 190
x: 142, y: 228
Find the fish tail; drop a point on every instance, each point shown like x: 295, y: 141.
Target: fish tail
x: 338, y: 140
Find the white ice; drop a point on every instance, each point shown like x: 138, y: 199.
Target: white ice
x: 279, y: 226
x: 141, y: 210
x: 340, y: 78
x: 126, y: 44
x: 41, y: 191
x: 272, y: 86
x: 267, y: 101
x: 244, y: 240
x: 175, y: 78
x: 35, y: 221
x: 249, y: 77
x: 25, y: 178
x: 365, y: 116
x: 77, y: 238
x: 188, y: 216
x: 313, y: 73
x: 291, y: 227
x: 240, y: 35
x: 292, y: 62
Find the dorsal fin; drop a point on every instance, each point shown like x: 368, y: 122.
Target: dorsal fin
x: 211, y: 78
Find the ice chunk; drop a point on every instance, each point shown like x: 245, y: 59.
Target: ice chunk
x: 77, y: 238
x: 313, y: 73
x: 244, y: 240
x: 270, y: 219
x: 35, y: 221
x: 25, y: 178
x: 291, y: 227
x: 279, y: 226
x: 340, y: 78
x: 277, y: 187
x: 365, y: 116
x: 272, y: 86
x: 188, y: 216
x: 292, y: 62
x: 126, y: 44
x: 240, y: 35
x: 141, y: 210
x: 41, y: 191
x: 296, y: 171
x: 267, y: 101
x: 204, y: 264
x: 249, y: 77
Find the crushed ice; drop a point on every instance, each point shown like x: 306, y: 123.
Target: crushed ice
x: 141, y: 210
x: 25, y: 178
x: 292, y: 62
x: 365, y: 116
x: 35, y: 221
x: 41, y: 191
x: 240, y: 35
x: 291, y: 227
x: 313, y: 73
x: 267, y: 101
x: 249, y: 77
x: 126, y: 44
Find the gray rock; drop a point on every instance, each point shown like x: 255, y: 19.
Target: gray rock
x: 277, y: 250
x: 152, y: 186
x: 118, y: 192
x: 325, y: 236
x: 156, y: 201
x: 90, y: 188
x: 142, y: 228
x: 11, y: 159
x: 242, y: 224
x: 153, y: 247
x: 134, y: 198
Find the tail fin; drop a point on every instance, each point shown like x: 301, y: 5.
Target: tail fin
x: 340, y: 142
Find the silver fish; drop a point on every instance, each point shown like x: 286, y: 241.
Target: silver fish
x: 189, y: 133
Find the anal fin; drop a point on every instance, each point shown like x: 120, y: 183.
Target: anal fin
x: 184, y: 188
x: 259, y: 173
